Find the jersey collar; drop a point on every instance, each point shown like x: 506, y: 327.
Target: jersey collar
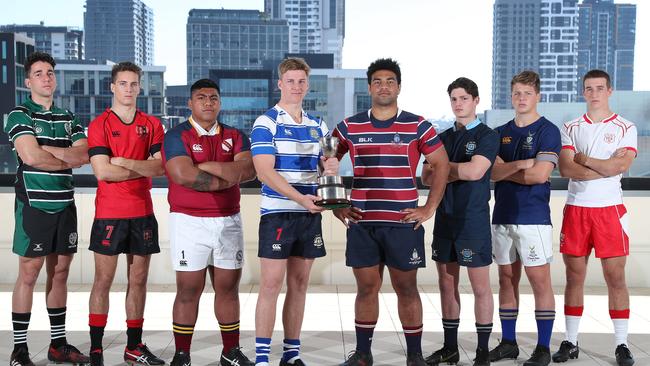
x: 608, y: 119
x: 470, y: 125
x: 201, y: 131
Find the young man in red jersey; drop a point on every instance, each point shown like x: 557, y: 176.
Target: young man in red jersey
x: 125, y: 153
x: 205, y: 161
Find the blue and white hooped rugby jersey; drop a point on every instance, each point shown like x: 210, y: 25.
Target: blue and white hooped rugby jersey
x: 296, y: 150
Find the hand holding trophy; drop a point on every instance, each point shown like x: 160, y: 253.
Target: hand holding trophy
x: 331, y: 189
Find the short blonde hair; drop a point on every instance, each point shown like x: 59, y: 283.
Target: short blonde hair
x: 293, y: 63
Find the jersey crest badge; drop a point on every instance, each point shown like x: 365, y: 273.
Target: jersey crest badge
x: 226, y: 145
x: 609, y: 138
x: 314, y: 134
x: 397, y: 140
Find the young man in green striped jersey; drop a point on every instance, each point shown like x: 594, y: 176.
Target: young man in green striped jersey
x: 48, y: 142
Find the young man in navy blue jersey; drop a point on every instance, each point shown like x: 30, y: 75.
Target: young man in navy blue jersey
x: 461, y: 235
x: 522, y: 231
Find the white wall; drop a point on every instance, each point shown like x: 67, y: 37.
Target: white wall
x: 328, y: 270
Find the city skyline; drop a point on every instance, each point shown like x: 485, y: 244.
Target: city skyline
x: 373, y: 29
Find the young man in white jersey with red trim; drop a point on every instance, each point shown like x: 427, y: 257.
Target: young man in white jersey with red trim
x: 597, y: 148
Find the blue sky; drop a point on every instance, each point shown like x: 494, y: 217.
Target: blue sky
x: 435, y: 41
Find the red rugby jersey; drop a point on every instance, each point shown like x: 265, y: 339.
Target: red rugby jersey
x: 109, y: 135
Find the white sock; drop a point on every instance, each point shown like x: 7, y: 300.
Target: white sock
x: 620, y: 330
x: 572, y: 325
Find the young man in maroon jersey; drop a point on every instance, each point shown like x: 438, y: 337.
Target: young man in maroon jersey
x: 125, y: 153
x: 205, y: 161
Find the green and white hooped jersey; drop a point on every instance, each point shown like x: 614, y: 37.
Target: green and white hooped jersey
x: 47, y: 191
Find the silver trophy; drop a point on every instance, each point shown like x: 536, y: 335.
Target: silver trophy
x: 331, y: 189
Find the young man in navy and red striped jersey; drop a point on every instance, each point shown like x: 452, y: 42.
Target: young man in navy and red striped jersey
x: 522, y: 234
x: 461, y: 235
x: 205, y: 161
x: 384, y: 223
x: 125, y: 153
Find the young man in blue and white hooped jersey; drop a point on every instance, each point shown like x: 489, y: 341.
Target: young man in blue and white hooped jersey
x: 521, y: 223
x: 287, y: 158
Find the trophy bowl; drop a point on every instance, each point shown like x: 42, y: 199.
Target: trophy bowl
x: 331, y: 189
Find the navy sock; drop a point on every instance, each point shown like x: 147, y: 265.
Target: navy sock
x: 450, y: 327
x: 364, y: 331
x: 483, y: 331
x: 413, y: 336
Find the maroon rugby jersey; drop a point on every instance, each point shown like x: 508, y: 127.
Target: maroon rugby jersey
x: 184, y: 140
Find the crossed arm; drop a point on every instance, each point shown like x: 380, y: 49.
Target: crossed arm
x: 118, y: 169
x: 526, y: 172
x: 579, y: 166
x: 210, y: 176
x: 51, y: 158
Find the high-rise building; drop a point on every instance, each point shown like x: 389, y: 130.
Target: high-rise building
x: 606, y: 41
x: 221, y: 39
x: 315, y: 26
x: 63, y: 43
x: 515, y: 44
x: 558, y: 50
x: 14, y: 49
x: 538, y: 35
x: 119, y: 30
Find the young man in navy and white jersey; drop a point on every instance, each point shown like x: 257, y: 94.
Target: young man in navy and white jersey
x: 461, y: 236
x: 205, y: 161
x: 597, y: 148
x: 48, y: 142
x: 124, y: 149
x: 286, y: 154
x: 522, y: 233
x: 384, y: 223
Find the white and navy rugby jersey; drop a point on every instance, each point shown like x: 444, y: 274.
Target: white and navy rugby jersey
x: 296, y: 150
x: 384, y: 156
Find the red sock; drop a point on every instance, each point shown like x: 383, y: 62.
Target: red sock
x: 229, y: 335
x: 183, y: 337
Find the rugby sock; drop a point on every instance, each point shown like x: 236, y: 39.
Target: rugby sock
x: 97, y: 323
x: 229, y: 335
x: 291, y: 350
x: 544, y: 319
x: 133, y: 332
x: 20, y: 322
x: 620, y: 318
x: 572, y: 315
x: 508, y: 319
x: 450, y: 327
x: 483, y: 331
x: 262, y: 351
x: 413, y: 336
x: 364, y: 331
x: 183, y: 336
x: 57, y: 326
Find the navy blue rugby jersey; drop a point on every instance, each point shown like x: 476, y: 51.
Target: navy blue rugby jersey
x: 526, y: 204
x: 468, y: 199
